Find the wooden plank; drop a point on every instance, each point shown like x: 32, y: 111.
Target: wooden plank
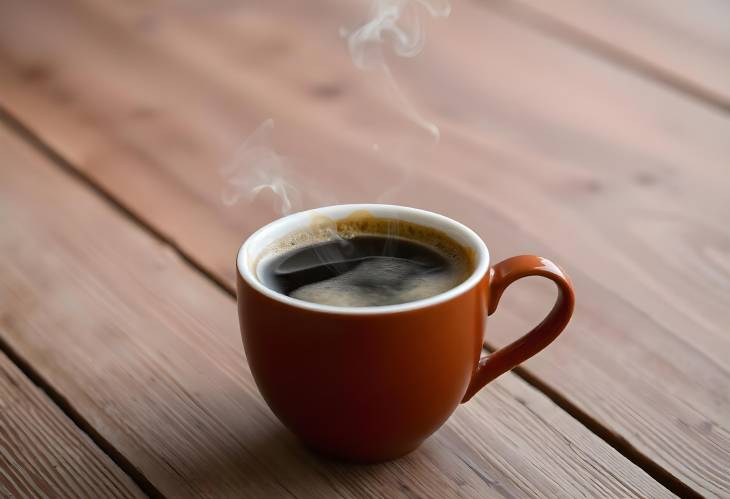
x: 686, y: 43
x: 42, y: 453
x: 148, y: 352
x: 545, y: 149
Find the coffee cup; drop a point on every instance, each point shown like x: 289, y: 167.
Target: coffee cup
x: 371, y: 383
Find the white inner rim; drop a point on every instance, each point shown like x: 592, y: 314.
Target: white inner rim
x: 250, y: 251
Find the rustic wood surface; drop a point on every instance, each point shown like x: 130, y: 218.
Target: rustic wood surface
x: 685, y: 44
x: 151, y: 358
x: 42, y: 453
x: 547, y: 147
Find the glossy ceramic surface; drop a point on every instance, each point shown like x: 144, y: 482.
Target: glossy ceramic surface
x: 371, y: 383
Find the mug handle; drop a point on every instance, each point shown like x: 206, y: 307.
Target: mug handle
x: 502, y: 275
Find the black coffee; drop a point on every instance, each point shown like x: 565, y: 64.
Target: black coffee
x: 365, y: 270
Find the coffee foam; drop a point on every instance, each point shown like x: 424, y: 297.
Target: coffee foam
x: 388, y: 282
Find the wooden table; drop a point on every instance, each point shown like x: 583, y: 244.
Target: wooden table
x: 593, y: 133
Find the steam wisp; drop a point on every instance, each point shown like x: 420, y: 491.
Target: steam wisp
x: 398, y: 24
x: 256, y: 167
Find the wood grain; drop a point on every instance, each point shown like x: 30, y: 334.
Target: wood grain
x: 148, y: 352
x: 42, y: 453
x: 545, y: 150
x: 684, y: 43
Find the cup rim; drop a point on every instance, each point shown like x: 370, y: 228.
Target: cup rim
x: 458, y: 231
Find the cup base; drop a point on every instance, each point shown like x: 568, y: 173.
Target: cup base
x: 361, y: 457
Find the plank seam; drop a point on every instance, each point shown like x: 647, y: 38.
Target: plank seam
x: 528, y: 16
x: 34, y: 376
x: 68, y: 410
x: 34, y: 140
x: 621, y: 445
x: 613, y: 439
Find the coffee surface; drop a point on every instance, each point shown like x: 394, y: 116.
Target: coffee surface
x: 364, y: 270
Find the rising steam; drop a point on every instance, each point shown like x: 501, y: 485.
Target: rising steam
x: 256, y: 167
x: 395, y: 23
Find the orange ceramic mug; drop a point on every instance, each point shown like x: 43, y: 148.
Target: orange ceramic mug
x: 371, y: 383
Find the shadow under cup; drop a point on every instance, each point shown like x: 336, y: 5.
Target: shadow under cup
x: 370, y: 383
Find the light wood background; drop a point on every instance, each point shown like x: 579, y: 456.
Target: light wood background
x: 593, y: 133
